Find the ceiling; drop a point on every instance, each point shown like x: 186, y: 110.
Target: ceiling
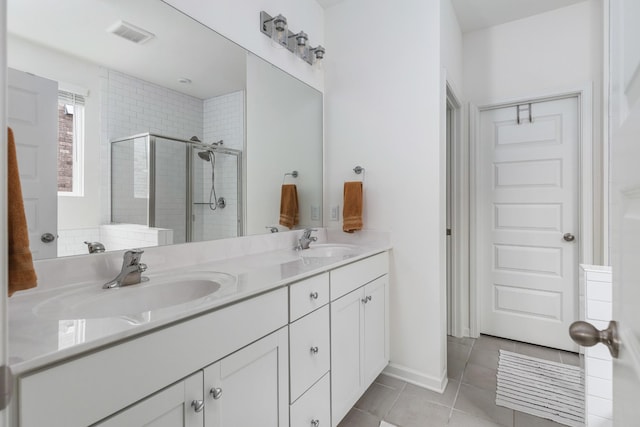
x: 476, y: 14
x: 181, y: 47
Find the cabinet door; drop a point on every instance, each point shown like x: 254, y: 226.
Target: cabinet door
x: 170, y: 407
x: 250, y: 386
x: 345, y: 353
x: 375, y: 353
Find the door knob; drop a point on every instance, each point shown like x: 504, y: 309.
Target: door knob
x: 47, y: 237
x: 569, y: 237
x: 587, y: 335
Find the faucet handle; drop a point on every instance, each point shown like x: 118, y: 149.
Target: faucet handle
x: 131, y: 257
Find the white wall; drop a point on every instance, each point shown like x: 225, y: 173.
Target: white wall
x: 239, y: 21
x: 451, y: 45
x: 382, y: 111
x: 548, y: 53
x: 26, y: 56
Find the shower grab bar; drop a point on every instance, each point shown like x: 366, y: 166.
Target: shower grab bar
x: 293, y: 174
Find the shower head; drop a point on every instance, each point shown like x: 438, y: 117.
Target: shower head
x: 205, y: 155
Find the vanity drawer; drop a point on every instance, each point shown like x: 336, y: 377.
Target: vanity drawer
x: 309, y: 352
x: 350, y: 277
x: 313, y: 407
x: 308, y: 295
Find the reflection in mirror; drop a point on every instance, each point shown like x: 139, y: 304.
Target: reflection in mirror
x: 254, y: 123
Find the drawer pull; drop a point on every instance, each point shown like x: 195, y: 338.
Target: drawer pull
x: 314, y: 350
x: 315, y: 423
x: 366, y: 299
x: 216, y: 392
x: 313, y: 295
x: 197, y: 405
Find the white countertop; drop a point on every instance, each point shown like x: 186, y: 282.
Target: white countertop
x: 36, y: 341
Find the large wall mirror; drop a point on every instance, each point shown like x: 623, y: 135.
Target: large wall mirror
x: 138, y: 126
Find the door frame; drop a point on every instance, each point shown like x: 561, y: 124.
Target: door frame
x: 458, y: 272
x: 586, y: 185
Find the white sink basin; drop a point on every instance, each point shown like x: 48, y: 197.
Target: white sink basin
x: 94, y: 302
x: 329, y: 250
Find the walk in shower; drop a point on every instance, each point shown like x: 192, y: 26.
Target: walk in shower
x: 187, y: 189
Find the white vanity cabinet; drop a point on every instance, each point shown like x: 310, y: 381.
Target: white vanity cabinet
x: 172, y: 407
x: 249, y: 387
x: 246, y: 388
x: 309, y: 351
x: 359, y: 330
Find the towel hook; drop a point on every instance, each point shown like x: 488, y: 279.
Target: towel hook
x: 293, y: 174
x: 359, y: 170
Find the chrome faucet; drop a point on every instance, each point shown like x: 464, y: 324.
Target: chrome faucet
x: 131, y: 272
x: 306, y: 239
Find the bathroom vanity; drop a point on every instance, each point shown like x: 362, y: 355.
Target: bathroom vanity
x: 295, y: 340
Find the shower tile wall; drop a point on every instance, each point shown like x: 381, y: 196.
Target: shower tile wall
x: 131, y: 106
x: 223, y: 119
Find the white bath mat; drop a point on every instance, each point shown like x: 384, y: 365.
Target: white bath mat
x: 386, y: 424
x: 550, y: 390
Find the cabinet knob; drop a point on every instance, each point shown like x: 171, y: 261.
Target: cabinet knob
x: 315, y: 423
x: 313, y: 295
x: 364, y: 300
x: 197, y: 405
x: 368, y: 297
x: 314, y: 350
x: 216, y: 392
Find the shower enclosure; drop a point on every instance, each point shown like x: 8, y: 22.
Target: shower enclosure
x: 168, y: 183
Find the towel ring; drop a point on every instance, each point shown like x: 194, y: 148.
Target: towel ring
x: 293, y: 174
x: 359, y: 170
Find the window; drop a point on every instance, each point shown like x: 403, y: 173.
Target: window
x: 70, y: 144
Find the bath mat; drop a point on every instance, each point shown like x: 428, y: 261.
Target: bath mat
x: 386, y: 424
x: 550, y: 390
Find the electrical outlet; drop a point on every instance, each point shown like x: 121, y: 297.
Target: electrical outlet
x: 333, y: 215
x: 315, y: 213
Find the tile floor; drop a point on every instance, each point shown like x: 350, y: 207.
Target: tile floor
x: 468, y: 401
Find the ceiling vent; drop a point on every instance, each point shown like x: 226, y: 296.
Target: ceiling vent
x: 130, y: 32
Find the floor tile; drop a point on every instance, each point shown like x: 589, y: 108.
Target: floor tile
x: 445, y: 399
x: 479, y: 376
x: 357, y: 418
x: 538, y: 351
x: 525, y: 420
x: 458, y: 351
x: 455, y: 368
x: 482, y: 404
x: 390, y: 382
x: 378, y: 400
x: 460, y: 419
x: 464, y: 340
x: 413, y: 411
x: 484, y: 357
x: 487, y: 342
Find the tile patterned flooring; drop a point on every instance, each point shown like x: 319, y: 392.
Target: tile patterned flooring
x: 469, y: 399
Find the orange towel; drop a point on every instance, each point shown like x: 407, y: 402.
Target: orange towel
x: 352, y: 207
x: 289, y: 210
x: 21, y: 272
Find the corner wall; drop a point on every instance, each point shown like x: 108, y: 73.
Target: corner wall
x: 382, y: 112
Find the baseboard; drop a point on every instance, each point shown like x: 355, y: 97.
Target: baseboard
x: 416, y: 378
x: 466, y: 332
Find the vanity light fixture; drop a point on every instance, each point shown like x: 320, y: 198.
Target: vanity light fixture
x: 297, y: 43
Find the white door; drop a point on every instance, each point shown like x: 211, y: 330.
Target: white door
x: 33, y: 116
x: 625, y: 205
x: 526, y: 220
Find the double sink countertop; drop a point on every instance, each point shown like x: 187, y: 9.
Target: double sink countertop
x: 39, y: 335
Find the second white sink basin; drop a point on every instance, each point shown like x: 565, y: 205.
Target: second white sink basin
x: 94, y: 302
x: 329, y: 250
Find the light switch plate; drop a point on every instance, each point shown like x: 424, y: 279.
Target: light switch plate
x: 333, y: 215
